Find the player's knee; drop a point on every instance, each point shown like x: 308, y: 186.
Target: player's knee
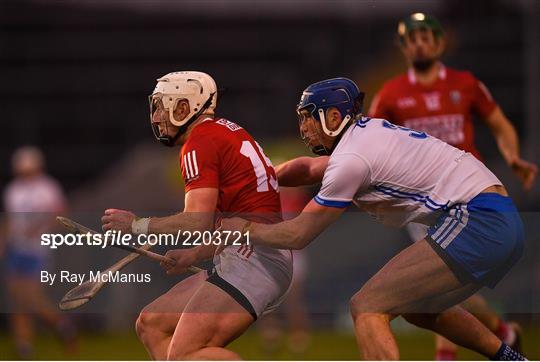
x: 144, y: 325
x: 140, y: 326
x: 362, y: 303
x: 354, y: 306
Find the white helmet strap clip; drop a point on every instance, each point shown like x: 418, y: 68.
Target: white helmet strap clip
x: 335, y: 133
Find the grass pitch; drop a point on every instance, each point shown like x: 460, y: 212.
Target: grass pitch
x: 325, y: 345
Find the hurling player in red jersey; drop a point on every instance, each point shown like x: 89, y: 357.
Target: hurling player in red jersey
x: 226, y: 173
x: 440, y: 100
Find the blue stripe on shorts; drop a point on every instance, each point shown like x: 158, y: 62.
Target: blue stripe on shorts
x: 481, y: 240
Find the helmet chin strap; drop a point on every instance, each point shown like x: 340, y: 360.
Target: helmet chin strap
x: 168, y: 140
x: 321, y: 150
x: 171, y: 141
x: 337, y: 131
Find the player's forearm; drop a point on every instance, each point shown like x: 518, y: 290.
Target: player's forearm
x: 301, y: 171
x: 293, y: 173
x: 296, y: 233
x: 508, y: 143
x: 505, y: 134
x: 182, y: 221
x: 284, y: 235
x: 204, y: 252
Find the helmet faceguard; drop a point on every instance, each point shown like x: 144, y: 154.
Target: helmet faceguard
x: 197, y: 88
x: 318, y: 98
x: 318, y: 149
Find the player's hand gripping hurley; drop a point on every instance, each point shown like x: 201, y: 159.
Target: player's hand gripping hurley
x: 82, y: 294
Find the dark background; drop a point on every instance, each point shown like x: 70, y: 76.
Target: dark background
x: 75, y: 75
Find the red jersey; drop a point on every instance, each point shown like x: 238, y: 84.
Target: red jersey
x: 442, y: 109
x: 220, y: 154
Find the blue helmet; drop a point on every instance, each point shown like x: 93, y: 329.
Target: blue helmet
x: 341, y: 93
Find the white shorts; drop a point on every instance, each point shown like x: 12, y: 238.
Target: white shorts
x: 257, y: 277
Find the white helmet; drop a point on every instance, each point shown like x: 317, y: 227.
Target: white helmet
x: 198, y: 88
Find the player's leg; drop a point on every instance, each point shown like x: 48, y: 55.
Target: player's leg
x: 405, y: 284
x: 445, y: 350
x: 244, y: 284
x: 42, y: 307
x: 451, y: 321
x: 22, y: 330
x: 211, y: 320
x: 29, y: 301
x: 508, y: 332
x: 20, y: 320
x: 157, y: 321
x: 480, y: 242
x: 459, y: 326
x: 477, y: 305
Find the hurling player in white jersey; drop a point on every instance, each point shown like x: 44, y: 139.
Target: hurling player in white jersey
x: 399, y: 176
x: 31, y: 200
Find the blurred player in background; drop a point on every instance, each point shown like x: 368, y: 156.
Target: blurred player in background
x: 226, y: 173
x: 441, y: 101
x: 31, y: 202
x: 399, y: 175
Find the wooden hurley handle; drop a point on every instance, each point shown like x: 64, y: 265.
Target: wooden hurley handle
x: 75, y: 227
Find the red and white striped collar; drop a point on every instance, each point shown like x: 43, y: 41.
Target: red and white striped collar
x: 412, y: 77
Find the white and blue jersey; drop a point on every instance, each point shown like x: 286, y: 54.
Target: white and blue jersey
x: 400, y: 176
x: 30, y: 205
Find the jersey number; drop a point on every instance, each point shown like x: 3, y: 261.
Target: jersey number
x: 412, y: 132
x: 249, y: 151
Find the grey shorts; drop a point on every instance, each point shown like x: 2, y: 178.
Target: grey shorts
x: 258, y: 278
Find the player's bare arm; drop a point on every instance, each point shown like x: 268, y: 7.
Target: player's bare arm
x: 198, y: 215
x: 296, y: 233
x: 302, y: 171
x: 185, y: 258
x: 508, y: 143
